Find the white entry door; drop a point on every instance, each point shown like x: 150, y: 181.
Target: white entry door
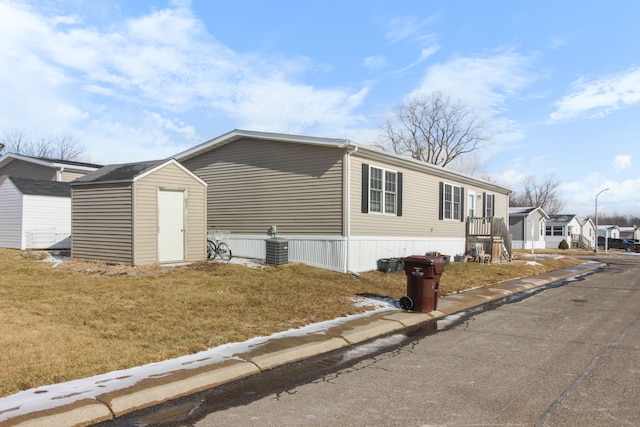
x: 170, y: 226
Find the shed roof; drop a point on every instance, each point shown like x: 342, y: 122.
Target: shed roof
x: 127, y: 172
x: 40, y: 187
x: 123, y: 172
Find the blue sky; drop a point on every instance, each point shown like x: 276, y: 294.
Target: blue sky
x: 556, y: 83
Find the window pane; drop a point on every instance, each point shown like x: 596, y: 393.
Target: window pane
x: 390, y: 182
x: 390, y: 192
x: 376, y: 201
x: 376, y: 179
x: 447, y: 200
x: 457, y: 197
x: 390, y: 203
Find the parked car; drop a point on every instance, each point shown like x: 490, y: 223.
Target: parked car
x: 628, y: 245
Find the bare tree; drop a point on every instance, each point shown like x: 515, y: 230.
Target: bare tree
x: 64, y: 147
x: 433, y: 129
x: 619, y: 220
x: 542, y: 194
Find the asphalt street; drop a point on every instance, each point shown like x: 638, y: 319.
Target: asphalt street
x: 566, y: 356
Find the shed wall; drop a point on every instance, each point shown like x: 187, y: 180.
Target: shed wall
x: 102, y: 227
x: 253, y: 184
x: 146, y: 190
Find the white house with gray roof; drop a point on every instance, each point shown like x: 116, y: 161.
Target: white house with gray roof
x: 527, y: 226
x: 34, y: 214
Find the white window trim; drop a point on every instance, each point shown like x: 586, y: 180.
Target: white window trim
x: 444, y: 203
x: 383, y: 191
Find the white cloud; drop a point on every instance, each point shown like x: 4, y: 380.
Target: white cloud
x: 580, y: 195
x: 406, y: 27
x: 621, y: 162
x: 375, y: 62
x: 136, y: 81
x: 599, y: 97
x: 488, y: 80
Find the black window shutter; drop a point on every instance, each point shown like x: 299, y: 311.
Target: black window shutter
x: 440, y: 212
x: 399, y: 198
x: 484, y: 205
x: 365, y: 188
x: 461, y: 204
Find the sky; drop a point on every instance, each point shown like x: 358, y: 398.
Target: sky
x: 556, y: 84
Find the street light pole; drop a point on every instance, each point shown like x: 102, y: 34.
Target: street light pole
x: 601, y: 191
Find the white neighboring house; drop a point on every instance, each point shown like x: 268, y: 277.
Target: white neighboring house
x: 34, y: 214
x: 563, y: 227
x: 527, y: 226
x: 589, y: 233
x: 609, y: 231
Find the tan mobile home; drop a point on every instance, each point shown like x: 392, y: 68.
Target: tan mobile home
x: 340, y: 205
x: 139, y: 213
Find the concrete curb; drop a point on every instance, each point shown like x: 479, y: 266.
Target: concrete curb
x: 275, y: 352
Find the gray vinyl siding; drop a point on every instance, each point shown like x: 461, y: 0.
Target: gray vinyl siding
x: 22, y: 169
x: 102, y: 223
x: 146, y: 190
x: 253, y: 184
x: 11, y: 205
x: 420, y: 204
x: 516, y: 227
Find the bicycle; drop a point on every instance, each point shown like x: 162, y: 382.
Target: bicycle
x: 217, y: 247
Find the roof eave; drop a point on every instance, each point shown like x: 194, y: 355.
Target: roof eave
x: 239, y: 134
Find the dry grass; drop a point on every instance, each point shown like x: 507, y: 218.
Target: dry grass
x: 82, y: 319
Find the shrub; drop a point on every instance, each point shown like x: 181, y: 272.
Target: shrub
x: 563, y: 245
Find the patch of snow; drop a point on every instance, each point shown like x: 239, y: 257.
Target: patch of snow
x: 533, y: 263
x: 56, y: 260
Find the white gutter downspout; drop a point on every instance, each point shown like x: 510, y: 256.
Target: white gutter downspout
x: 347, y: 205
x: 59, y: 171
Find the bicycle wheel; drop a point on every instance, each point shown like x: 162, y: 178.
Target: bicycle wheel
x: 211, y: 249
x: 224, y: 251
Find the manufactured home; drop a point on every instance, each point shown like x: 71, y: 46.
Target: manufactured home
x: 341, y: 205
x: 139, y: 213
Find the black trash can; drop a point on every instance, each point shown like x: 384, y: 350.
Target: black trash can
x: 423, y: 282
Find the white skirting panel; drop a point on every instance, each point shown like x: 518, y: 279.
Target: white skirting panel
x: 329, y: 251
x: 47, y: 238
x: 318, y: 251
x: 520, y: 244
x: 365, y: 251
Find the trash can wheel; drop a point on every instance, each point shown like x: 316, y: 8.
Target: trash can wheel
x: 406, y: 303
